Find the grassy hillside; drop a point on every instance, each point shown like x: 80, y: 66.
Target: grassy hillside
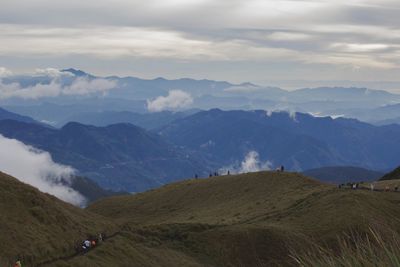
x: 219, y: 200
x: 395, y: 174
x: 255, y: 219
x: 37, y: 227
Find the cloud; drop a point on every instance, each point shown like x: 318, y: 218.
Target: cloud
x: 251, y: 163
x: 176, y: 99
x: 302, y: 39
x: 79, y: 86
x: 4, y: 72
x: 37, y: 168
x: 52, y: 72
x: 85, y: 86
x: 290, y: 111
x: 288, y: 36
x: 360, y: 48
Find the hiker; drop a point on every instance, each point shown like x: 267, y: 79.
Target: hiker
x: 18, y: 264
x: 282, y: 168
x: 86, y: 244
x: 354, y: 186
x: 387, y: 188
x: 100, y: 238
x: 372, y: 186
x: 196, y: 176
x: 229, y: 173
x: 215, y: 173
x: 210, y: 175
x: 396, y: 188
x: 340, y: 186
x: 93, y: 243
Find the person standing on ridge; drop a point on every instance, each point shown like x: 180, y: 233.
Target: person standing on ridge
x: 100, y: 238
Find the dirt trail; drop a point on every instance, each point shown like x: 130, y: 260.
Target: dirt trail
x: 76, y: 254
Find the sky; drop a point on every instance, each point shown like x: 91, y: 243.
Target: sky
x: 251, y: 40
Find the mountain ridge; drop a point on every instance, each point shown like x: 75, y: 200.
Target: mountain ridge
x: 119, y: 157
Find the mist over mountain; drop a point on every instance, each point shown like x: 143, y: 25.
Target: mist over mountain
x: 144, y: 120
x: 7, y: 115
x: 54, y: 96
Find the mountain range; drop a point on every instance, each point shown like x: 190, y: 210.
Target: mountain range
x: 119, y: 157
x: 343, y: 174
x: 131, y: 94
x: 129, y: 158
x: 298, y: 141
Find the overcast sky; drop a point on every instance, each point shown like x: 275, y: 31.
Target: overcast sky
x: 248, y: 40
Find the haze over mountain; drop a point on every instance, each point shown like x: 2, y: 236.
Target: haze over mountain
x: 144, y: 120
x: 55, y: 96
x: 7, y: 115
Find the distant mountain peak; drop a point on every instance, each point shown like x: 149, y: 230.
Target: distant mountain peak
x: 76, y: 72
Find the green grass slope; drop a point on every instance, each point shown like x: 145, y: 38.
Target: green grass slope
x: 37, y: 227
x: 255, y: 219
x: 393, y: 175
x: 219, y: 200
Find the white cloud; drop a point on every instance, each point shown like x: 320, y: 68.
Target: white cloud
x: 251, y: 163
x: 31, y: 92
x: 359, y: 48
x: 288, y: 36
x: 4, y: 72
x: 176, y: 99
x: 52, y: 72
x: 37, y: 168
x: 80, y: 86
x: 85, y: 86
x: 291, y: 112
x: 180, y: 36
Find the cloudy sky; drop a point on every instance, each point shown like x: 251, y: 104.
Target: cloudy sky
x: 235, y: 40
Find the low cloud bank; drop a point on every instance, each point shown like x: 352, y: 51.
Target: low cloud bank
x: 79, y: 85
x: 291, y: 113
x: 37, y: 168
x: 176, y: 99
x: 250, y: 163
x: 4, y: 72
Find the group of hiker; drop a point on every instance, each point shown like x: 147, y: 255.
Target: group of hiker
x: 215, y: 174
x: 90, y: 243
x: 82, y: 247
x: 280, y: 168
x: 355, y: 186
